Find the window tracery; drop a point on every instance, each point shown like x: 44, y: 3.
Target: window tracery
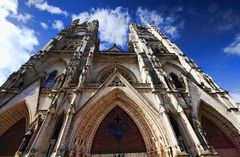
x: 80, y: 33
x: 176, y: 82
x: 127, y: 75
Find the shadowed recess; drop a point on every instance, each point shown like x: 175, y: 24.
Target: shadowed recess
x: 118, y: 133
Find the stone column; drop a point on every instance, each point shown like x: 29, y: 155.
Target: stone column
x: 38, y: 144
x: 196, y: 144
x: 196, y: 147
x: 185, y: 81
x: 60, y: 144
x: 173, y: 147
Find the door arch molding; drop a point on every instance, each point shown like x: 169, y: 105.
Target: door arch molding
x: 91, y: 115
x: 14, y: 123
x: 117, y: 133
x: 225, y: 126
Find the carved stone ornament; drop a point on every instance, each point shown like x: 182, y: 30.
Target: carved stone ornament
x: 156, y: 143
x: 117, y: 82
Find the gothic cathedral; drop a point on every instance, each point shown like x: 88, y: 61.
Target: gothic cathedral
x: 73, y: 100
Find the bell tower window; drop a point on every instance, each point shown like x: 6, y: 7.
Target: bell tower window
x: 51, y: 79
x: 176, y: 81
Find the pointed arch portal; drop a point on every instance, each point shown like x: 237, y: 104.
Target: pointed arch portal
x: 219, y: 132
x: 13, y: 125
x: 115, y: 124
x: 117, y: 134
x: 218, y: 139
x: 12, y: 138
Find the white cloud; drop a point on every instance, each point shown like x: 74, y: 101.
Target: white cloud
x: 57, y: 24
x: 22, y: 17
x: 113, y: 24
x: 13, y: 51
x: 44, y: 25
x: 44, y: 6
x: 84, y: 16
x: 8, y: 6
x: 234, y: 47
x: 170, y: 25
x: 236, y: 97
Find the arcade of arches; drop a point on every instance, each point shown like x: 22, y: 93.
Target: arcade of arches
x: 127, y: 74
x: 117, y: 133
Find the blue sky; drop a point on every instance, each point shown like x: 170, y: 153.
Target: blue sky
x: 206, y: 31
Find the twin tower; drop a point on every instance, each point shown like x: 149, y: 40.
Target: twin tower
x: 72, y: 100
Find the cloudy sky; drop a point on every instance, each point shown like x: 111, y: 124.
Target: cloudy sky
x: 208, y: 32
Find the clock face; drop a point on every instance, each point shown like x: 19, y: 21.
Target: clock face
x: 29, y: 91
x: 147, y: 36
x: 80, y: 33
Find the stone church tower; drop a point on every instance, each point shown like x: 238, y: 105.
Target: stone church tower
x: 72, y: 100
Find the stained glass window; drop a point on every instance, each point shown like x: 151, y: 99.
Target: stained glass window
x: 51, y: 79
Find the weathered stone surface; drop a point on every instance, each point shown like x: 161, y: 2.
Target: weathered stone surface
x: 163, y: 103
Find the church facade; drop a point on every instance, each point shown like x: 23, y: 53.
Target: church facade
x: 72, y: 100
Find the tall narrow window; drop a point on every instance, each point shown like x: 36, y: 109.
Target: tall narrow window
x: 176, y: 82
x: 51, y: 79
x: 58, y: 127
x: 156, y: 50
x: 55, y: 135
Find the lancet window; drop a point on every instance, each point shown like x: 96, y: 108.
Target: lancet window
x: 51, y: 79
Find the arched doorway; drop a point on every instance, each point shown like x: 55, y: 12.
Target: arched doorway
x: 12, y: 138
x: 118, y: 133
x: 219, y: 134
x: 86, y: 132
x: 12, y: 129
